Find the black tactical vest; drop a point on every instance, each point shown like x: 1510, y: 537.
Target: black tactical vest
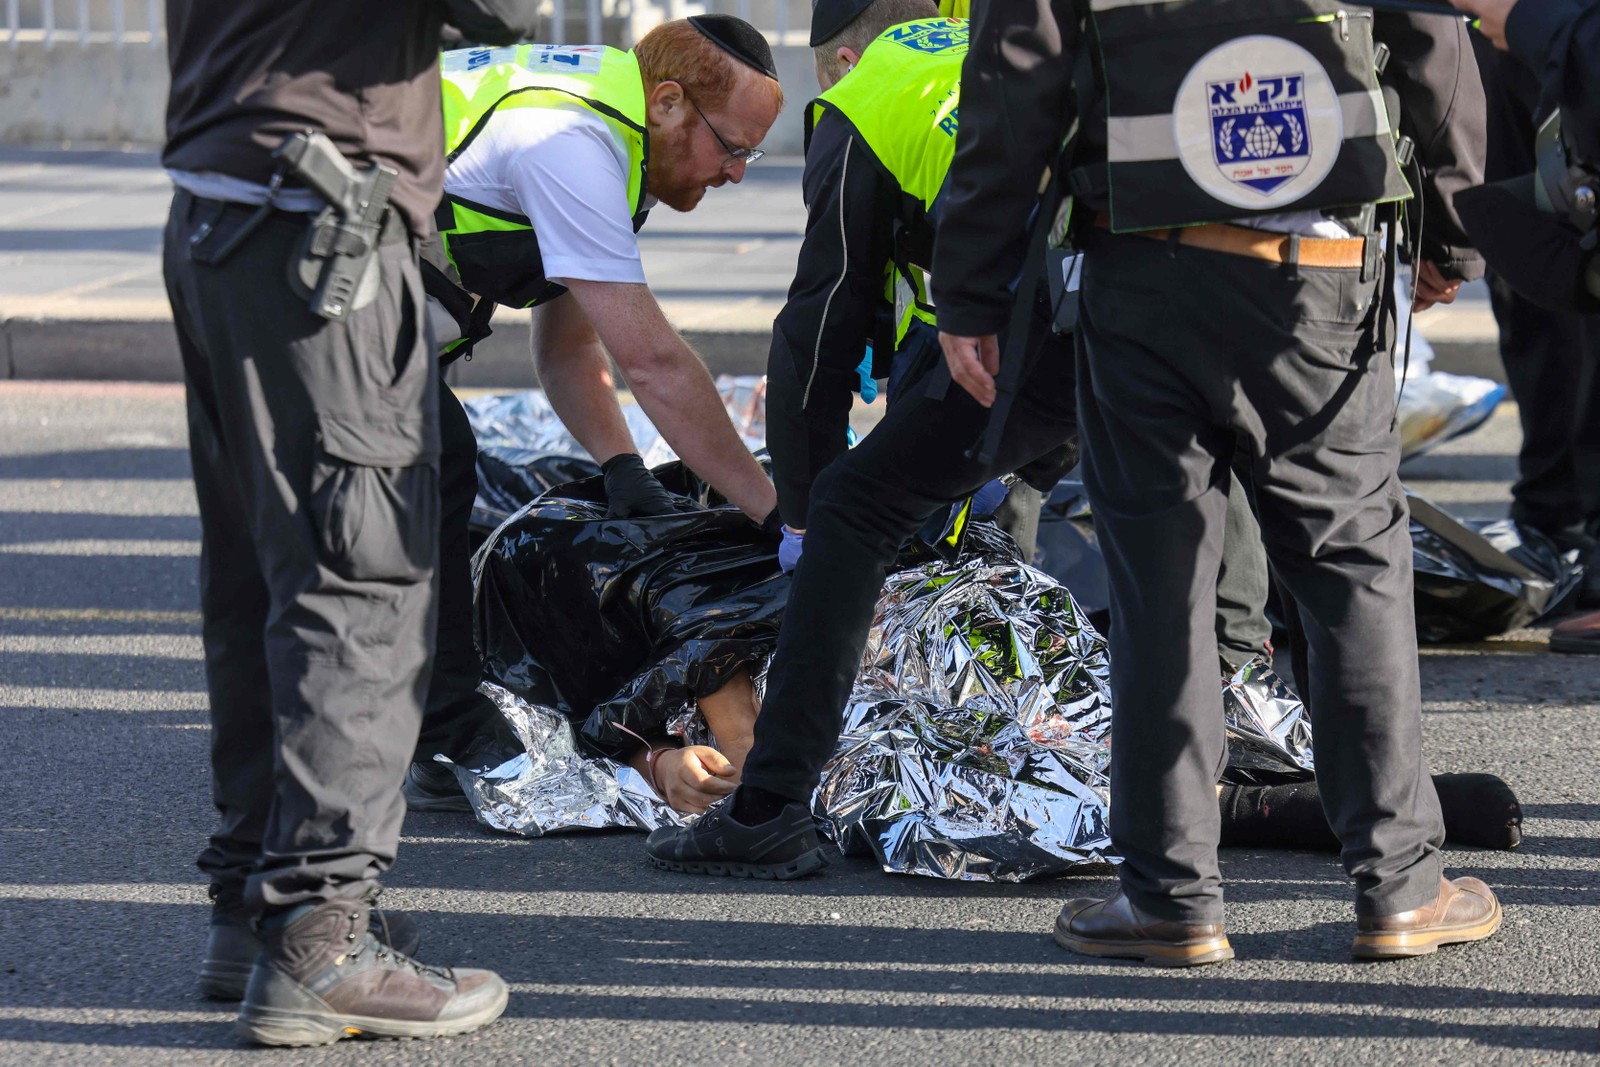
x: 1225, y: 109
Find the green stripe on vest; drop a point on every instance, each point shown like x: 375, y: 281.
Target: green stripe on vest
x: 903, y: 99
x: 496, y: 253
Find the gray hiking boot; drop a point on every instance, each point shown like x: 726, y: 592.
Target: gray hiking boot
x: 322, y: 976
x: 232, y: 944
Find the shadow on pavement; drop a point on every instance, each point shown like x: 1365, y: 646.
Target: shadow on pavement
x: 143, y: 464
x: 31, y: 526
x: 749, y: 973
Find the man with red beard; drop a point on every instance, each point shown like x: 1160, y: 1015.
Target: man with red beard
x: 555, y: 156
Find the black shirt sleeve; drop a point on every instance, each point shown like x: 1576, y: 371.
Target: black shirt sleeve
x: 492, y: 21
x: 1442, y: 109
x: 1559, y: 40
x: 822, y: 332
x: 1015, y: 91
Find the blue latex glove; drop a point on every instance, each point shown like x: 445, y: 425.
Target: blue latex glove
x: 986, y: 500
x: 869, y: 384
x: 789, y: 550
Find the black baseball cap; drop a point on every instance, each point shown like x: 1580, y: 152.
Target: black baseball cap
x: 830, y: 17
x: 739, y: 39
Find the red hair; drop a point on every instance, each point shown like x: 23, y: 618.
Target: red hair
x: 677, y: 52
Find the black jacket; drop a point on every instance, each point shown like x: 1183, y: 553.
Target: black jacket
x: 833, y: 308
x: 1559, y: 40
x: 246, y: 73
x: 1015, y: 107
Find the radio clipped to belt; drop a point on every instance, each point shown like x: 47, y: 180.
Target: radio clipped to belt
x: 337, y: 267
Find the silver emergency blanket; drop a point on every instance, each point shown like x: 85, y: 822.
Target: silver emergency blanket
x: 1268, y: 727
x: 976, y: 740
x: 552, y: 786
x: 975, y: 743
x: 526, y: 420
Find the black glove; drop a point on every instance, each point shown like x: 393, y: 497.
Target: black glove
x: 632, y: 491
x: 772, y: 526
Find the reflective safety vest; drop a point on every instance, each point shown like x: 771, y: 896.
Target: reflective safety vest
x: 1225, y: 109
x: 494, y: 253
x: 955, y: 9
x: 903, y: 100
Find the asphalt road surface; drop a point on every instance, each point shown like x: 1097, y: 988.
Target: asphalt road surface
x: 103, y: 805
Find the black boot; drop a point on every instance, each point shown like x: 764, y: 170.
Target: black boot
x: 784, y: 846
x: 322, y: 976
x: 433, y: 786
x: 232, y: 943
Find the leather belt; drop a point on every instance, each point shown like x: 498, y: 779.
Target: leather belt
x: 1325, y: 252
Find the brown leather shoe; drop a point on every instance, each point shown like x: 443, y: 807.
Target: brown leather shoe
x: 1112, y: 928
x: 1465, y: 910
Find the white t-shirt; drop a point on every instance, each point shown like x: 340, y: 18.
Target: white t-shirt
x: 561, y: 168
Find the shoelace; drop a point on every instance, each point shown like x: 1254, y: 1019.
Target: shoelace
x: 386, y: 949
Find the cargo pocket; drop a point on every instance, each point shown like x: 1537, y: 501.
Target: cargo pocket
x: 375, y: 499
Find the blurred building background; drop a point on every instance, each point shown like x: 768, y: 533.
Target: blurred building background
x: 95, y: 71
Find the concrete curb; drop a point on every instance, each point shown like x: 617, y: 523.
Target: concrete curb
x: 146, y: 350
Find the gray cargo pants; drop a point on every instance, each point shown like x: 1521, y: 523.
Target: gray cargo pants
x: 315, y: 448
x: 1184, y: 356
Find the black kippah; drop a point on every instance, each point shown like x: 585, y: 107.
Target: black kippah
x: 739, y: 39
x: 829, y: 18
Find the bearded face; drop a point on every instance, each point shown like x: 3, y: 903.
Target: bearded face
x: 688, y: 155
x: 676, y: 177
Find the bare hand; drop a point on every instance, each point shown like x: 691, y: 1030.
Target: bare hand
x: 1432, y: 286
x: 1491, y: 16
x: 693, y: 778
x: 974, y: 361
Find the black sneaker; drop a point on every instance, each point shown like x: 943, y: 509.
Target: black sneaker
x: 232, y: 944
x: 322, y: 977
x: 784, y: 847
x: 432, y: 786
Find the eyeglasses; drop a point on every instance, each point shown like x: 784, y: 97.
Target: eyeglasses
x: 735, y: 155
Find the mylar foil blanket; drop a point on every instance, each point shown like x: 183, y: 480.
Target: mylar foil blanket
x: 975, y: 744
x: 553, y: 786
x: 526, y: 420
x: 1268, y: 727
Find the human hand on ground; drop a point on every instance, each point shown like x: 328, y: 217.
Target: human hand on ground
x: 694, y: 777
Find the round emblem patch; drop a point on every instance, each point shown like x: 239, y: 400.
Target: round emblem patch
x: 1257, y: 122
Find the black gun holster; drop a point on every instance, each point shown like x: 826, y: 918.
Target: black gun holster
x: 332, y: 244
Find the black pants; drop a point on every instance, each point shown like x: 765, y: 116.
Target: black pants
x: 864, y: 505
x: 456, y: 714
x: 1187, y: 357
x: 1552, y: 363
x: 1552, y: 360
x: 315, y: 449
